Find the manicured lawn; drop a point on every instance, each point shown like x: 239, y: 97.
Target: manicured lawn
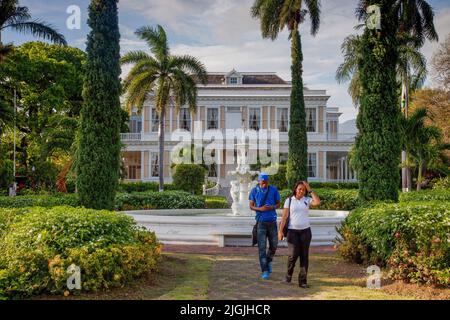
x: 223, y: 276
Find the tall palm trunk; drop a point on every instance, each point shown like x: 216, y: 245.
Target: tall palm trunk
x: 419, y: 176
x: 406, y: 170
x: 298, y: 152
x: 161, y: 128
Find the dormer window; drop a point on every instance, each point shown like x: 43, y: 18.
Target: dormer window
x: 233, y: 78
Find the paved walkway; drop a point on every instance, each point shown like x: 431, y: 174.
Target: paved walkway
x: 215, y: 250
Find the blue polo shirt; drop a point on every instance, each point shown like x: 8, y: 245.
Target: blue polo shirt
x: 257, y: 196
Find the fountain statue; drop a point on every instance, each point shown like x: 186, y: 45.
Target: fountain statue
x: 241, y: 186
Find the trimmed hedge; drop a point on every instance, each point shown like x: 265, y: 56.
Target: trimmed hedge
x: 332, y: 199
x: 158, y: 200
x: 412, y: 239
x: 216, y: 202
x: 38, y: 244
x: 48, y: 201
x: 334, y: 185
x: 425, y: 195
x: 123, y: 201
x: 129, y: 187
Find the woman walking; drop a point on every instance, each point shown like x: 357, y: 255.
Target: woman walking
x: 296, y: 216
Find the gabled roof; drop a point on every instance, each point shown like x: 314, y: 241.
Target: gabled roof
x: 247, y: 78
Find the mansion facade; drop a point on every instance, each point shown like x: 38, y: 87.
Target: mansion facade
x: 235, y: 100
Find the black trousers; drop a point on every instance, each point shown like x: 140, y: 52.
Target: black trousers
x: 298, y: 247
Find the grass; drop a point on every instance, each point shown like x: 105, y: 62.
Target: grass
x: 190, y: 276
x: 180, y: 277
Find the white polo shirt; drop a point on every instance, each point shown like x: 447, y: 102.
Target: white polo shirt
x: 298, y: 219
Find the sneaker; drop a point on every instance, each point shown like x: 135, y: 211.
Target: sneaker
x: 265, y: 275
x: 269, y: 267
x: 288, y: 279
x: 303, y: 285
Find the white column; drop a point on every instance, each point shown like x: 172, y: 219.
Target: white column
x: 170, y: 117
x: 142, y: 165
x: 346, y: 169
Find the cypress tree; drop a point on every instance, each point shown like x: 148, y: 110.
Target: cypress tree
x: 298, y: 144
x: 99, y: 145
x: 378, y: 146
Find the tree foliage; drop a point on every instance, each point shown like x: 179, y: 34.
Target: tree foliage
x: 162, y: 77
x: 48, y: 79
x: 377, y: 153
x: 19, y: 19
x: 99, y: 145
x: 274, y: 16
x: 423, y: 144
x: 441, y: 65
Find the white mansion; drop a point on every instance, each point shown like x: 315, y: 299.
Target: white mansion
x: 248, y: 100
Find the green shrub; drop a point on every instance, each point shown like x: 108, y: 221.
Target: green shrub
x: 425, y: 195
x: 39, y: 244
x: 6, y: 174
x: 442, y: 184
x: 123, y: 201
x: 59, y: 199
x: 216, y: 202
x: 158, y: 200
x: 334, y: 185
x: 279, y: 179
x: 129, y: 187
x: 413, y: 239
x: 189, y: 177
x: 332, y: 199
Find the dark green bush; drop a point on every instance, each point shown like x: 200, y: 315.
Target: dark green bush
x: 279, y: 179
x: 6, y: 174
x: 129, y: 187
x: 158, y: 200
x: 37, y: 245
x: 413, y: 239
x: 189, y: 177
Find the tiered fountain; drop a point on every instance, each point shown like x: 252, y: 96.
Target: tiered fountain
x: 241, y: 186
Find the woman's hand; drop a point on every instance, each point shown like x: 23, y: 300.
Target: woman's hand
x: 306, y: 184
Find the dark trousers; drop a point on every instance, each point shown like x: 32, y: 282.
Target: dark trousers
x: 298, y: 247
x: 267, y: 230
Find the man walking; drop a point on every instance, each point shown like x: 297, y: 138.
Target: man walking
x: 265, y: 199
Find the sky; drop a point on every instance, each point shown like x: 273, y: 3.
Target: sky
x: 223, y: 35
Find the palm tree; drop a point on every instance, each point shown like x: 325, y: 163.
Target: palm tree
x: 411, y: 65
x: 274, y: 16
x: 19, y: 19
x: 422, y: 143
x: 169, y: 77
x: 414, y: 20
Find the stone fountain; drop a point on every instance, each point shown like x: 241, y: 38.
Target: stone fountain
x: 241, y: 186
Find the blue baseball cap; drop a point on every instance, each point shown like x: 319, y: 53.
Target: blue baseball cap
x: 263, y: 177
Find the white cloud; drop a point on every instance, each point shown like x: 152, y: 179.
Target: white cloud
x: 223, y: 35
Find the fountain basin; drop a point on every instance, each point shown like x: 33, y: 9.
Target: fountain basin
x: 219, y: 227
